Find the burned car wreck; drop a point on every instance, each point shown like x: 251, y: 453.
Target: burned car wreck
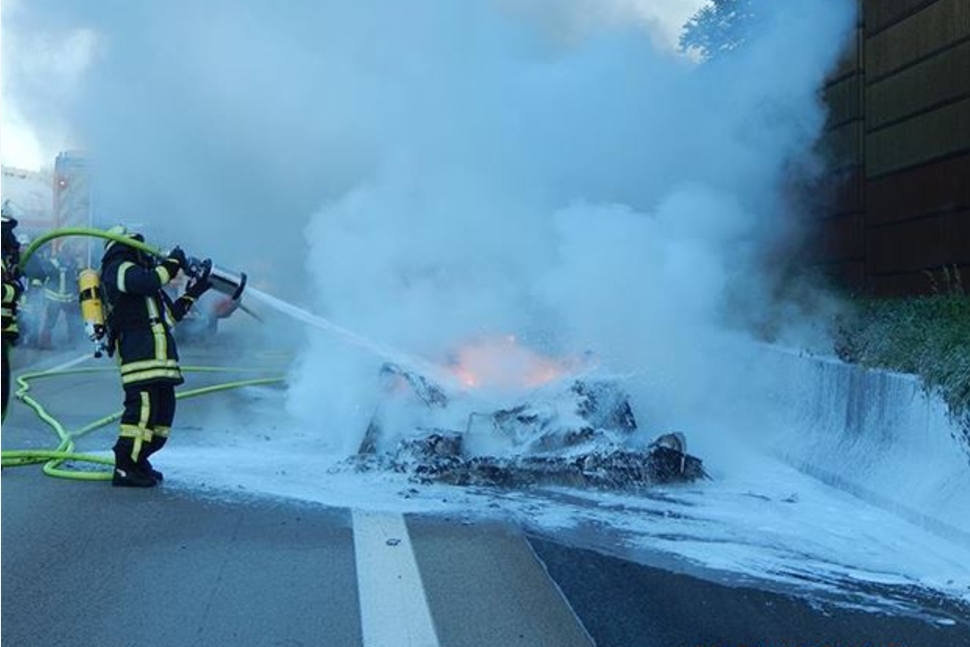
x: 576, y: 432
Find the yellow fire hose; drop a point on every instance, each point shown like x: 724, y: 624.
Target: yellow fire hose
x: 54, y: 458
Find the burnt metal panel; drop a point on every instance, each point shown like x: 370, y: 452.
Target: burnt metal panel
x: 843, y: 193
x: 929, y: 136
x: 910, y: 283
x: 959, y: 238
x: 921, y: 191
x: 940, y: 79
x: 844, y: 100
x: 842, y: 147
x: 895, y: 285
x: 896, y: 201
x: 932, y: 29
x: 851, y: 59
x: 851, y: 274
x: 841, y: 238
x: 918, y: 244
x: 881, y: 14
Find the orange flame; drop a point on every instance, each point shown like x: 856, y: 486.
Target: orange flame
x: 503, y: 363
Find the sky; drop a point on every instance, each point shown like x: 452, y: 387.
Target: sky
x: 598, y: 196
x: 39, y: 65
x: 58, y: 55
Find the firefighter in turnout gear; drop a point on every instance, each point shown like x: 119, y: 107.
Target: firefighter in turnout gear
x: 30, y: 307
x: 140, y: 320
x: 60, y: 296
x: 12, y: 289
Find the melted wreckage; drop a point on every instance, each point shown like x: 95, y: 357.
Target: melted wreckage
x: 573, y: 433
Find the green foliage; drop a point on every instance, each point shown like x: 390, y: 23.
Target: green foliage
x: 927, y: 336
x: 720, y: 27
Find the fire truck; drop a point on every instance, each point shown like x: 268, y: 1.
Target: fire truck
x: 73, y: 194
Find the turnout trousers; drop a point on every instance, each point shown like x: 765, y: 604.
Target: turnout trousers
x: 6, y: 375
x: 149, y: 412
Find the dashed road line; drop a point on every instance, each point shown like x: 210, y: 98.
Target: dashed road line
x: 394, y: 609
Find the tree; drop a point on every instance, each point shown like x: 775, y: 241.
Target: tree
x: 721, y: 27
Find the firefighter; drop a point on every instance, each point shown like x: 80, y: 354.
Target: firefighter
x: 140, y: 320
x: 30, y: 307
x: 12, y: 289
x: 60, y: 294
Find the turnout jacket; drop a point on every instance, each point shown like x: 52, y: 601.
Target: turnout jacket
x: 61, y: 281
x: 141, y: 316
x: 10, y: 294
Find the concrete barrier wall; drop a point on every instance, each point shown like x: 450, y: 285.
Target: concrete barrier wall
x: 875, y: 434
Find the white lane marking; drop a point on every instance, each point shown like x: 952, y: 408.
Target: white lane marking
x: 393, y: 607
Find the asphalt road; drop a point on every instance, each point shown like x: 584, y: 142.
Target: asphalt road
x: 85, y: 564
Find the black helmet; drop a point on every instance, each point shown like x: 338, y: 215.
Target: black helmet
x: 136, y: 255
x: 121, y: 230
x: 10, y: 242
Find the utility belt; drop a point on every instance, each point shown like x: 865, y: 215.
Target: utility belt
x: 136, y: 321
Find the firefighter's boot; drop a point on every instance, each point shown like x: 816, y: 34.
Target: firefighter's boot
x: 156, y: 443
x: 127, y: 472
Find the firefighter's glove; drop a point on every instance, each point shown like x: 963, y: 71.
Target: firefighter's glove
x: 200, y: 284
x: 197, y: 288
x: 178, y: 255
x: 176, y: 260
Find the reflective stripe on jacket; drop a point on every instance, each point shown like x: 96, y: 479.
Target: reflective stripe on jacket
x: 142, y: 319
x: 9, y: 324
x: 10, y: 328
x: 60, y: 286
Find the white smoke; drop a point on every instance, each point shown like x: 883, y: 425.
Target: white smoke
x: 430, y: 172
x: 42, y: 68
x: 594, y: 194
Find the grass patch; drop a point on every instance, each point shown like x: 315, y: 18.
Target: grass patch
x: 926, y: 336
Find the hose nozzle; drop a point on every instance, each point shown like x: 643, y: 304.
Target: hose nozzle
x: 222, y: 280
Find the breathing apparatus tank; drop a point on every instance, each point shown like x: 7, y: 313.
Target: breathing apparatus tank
x: 92, y: 310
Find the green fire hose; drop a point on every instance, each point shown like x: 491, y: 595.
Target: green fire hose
x: 54, y: 458
x: 90, y: 232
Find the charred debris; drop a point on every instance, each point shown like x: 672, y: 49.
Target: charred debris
x: 576, y: 433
